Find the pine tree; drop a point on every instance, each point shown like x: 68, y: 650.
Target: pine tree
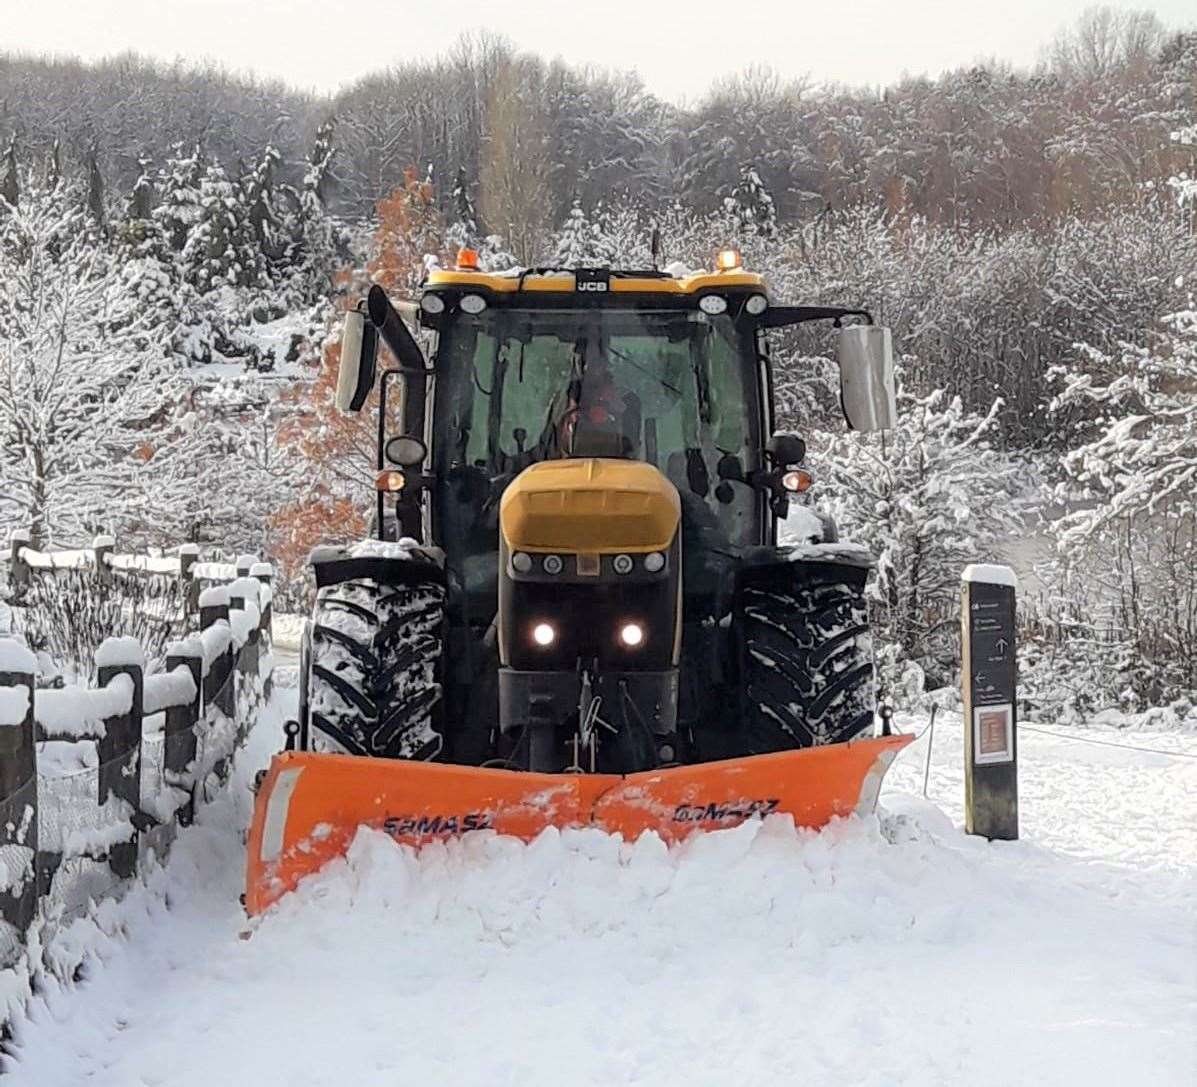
x: 221, y: 249
x: 140, y: 206
x: 752, y: 204
x: 10, y: 186
x: 317, y: 243
x: 95, y: 192
x: 262, y: 217
x: 54, y: 164
x: 580, y: 243
x: 179, y: 210
x: 463, y: 232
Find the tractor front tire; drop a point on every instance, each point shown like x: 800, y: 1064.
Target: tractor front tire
x: 373, y: 669
x: 806, y: 663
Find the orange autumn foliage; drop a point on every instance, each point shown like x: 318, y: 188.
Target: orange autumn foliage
x: 339, y: 449
x: 409, y: 228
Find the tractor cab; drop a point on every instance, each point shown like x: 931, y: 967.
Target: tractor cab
x: 592, y: 453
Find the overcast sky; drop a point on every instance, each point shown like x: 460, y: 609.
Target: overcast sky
x: 677, y: 47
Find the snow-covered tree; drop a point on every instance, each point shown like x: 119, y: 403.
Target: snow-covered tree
x: 93, y: 421
x: 927, y: 498
x: 580, y: 242
x: 463, y: 231
x: 221, y: 250
x: 262, y: 215
x: 752, y: 204
x: 10, y: 184
x: 179, y: 185
x: 1131, y: 495
x: 318, y: 244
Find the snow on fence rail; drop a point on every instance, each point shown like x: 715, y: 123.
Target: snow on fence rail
x: 94, y: 780
x: 26, y: 563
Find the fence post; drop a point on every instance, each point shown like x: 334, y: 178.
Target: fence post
x: 18, y: 796
x: 214, y: 606
x: 188, y: 557
x: 989, y: 677
x: 102, y: 547
x: 20, y: 573
x: 264, y: 573
x: 119, y: 748
x: 181, y: 739
x: 245, y: 657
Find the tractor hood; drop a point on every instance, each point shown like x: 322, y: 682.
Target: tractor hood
x: 592, y: 504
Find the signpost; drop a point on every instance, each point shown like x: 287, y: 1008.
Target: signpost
x: 989, y: 679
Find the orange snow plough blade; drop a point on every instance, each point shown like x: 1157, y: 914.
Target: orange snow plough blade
x: 310, y: 805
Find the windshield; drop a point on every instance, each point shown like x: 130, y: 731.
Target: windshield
x: 674, y: 388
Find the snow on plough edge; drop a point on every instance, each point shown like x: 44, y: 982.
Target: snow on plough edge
x: 310, y: 805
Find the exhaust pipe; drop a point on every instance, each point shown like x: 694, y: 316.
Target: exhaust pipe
x: 394, y: 332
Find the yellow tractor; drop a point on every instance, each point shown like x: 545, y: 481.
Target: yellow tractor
x: 576, y: 611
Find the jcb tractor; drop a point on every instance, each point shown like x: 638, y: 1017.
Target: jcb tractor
x: 577, y: 611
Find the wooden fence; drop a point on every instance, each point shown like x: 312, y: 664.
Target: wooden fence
x: 96, y: 778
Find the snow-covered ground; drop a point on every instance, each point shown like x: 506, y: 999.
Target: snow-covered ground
x: 883, y: 951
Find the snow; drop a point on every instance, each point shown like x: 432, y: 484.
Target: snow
x: 287, y: 631
x: 192, y: 646
x: 120, y: 652
x: 890, y: 950
x: 215, y: 640
x: 63, y: 758
x: 989, y: 574
x: 242, y: 625
x: 803, y: 525
x: 214, y: 571
x: 166, y: 689
x: 261, y: 569
x: 103, y: 541
x: 215, y: 596
x: 150, y: 564
x: 17, y: 657
x: 14, y: 705
x: 245, y: 587
x: 78, y: 712
x: 853, y: 554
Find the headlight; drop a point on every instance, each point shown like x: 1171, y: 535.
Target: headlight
x: 473, y: 303
x: 632, y: 635
x: 756, y: 304
x: 622, y: 564
x: 654, y: 562
x: 553, y: 564
x: 432, y: 303
x: 521, y: 563
x: 712, y: 303
x: 543, y: 634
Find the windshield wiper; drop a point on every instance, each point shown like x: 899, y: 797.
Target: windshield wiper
x: 643, y: 369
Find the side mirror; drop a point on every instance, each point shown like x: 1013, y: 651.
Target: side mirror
x: 867, y: 393
x: 359, y: 356
x: 786, y: 449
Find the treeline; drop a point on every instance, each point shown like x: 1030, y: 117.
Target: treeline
x: 984, y: 147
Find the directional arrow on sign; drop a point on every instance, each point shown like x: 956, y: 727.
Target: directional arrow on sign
x: 1001, y: 645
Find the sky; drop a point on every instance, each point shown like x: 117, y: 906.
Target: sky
x: 679, y: 49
